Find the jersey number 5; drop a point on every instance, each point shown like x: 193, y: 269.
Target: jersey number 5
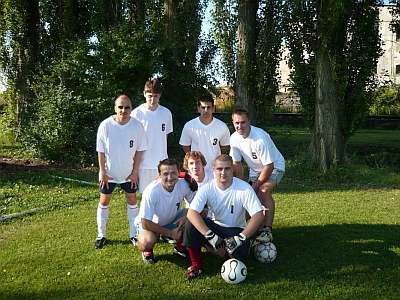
x: 254, y: 155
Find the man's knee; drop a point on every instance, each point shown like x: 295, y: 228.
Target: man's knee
x: 146, y: 241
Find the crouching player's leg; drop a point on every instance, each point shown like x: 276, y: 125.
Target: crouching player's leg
x: 264, y: 193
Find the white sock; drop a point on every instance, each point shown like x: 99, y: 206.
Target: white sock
x: 132, y: 211
x: 102, y: 218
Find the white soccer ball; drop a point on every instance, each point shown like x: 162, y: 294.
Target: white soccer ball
x: 265, y: 252
x: 233, y: 271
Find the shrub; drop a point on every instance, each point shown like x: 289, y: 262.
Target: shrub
x: 387, y: 101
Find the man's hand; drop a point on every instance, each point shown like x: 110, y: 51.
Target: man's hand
x: 234, y: 242
x: 103, y: 180
x: 214, y: 240
x: 133, y: 178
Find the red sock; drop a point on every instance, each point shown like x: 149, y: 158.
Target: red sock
x: 195, y: 257
x: 179, y: 246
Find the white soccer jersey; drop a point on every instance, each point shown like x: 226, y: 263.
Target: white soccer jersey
x: 157, y: 125
x: 119, y: 144
x: 257, y: 150
x: 161, y: 206
x: 205, y: 138
x: 227, y: 207
x: 208, y: 176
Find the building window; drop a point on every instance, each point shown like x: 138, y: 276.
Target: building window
x: 397, y: 69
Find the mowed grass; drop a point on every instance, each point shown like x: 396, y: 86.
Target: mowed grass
x: 338, y: 237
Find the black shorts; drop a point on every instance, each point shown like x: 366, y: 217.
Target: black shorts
x: 126, y: 186
x: 193, y: 238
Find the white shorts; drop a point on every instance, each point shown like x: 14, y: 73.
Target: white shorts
x: 275, y: 177
x: 145, y: 177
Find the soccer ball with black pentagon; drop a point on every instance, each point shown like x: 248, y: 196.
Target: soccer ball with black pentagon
x: 265, y: 252
x: 233, y: 271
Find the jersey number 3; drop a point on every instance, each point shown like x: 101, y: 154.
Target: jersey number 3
x: 215, y: 141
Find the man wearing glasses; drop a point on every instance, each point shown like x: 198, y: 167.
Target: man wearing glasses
x: 121, y: 141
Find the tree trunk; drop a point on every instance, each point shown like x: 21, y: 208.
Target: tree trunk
x: 246, y: 56
x: 136, y: 11
x: 327, y: 143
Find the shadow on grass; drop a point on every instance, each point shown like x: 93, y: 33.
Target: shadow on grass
x: 325, y: 252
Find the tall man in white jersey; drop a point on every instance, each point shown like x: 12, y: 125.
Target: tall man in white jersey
x: 205, y: 133
x: 121, y: 141
x: 157, y: 122
x: 228, y: 200
x: 266, y: 164
x: 161, y: 212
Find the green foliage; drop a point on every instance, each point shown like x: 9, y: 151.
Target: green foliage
x: 352, y: 40
x: 268, y: 56
x: 63, y: 127
x: 386, y: 101
x: 263, y: 75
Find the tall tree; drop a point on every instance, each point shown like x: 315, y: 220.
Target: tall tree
x: 334, y: 50
x: 246, y: 56
x: 248, y: 35
x: 20, y: 51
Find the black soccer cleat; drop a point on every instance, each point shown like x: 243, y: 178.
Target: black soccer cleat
x: 180, y: 252
x: 99, y: 243
x: 134, y: 241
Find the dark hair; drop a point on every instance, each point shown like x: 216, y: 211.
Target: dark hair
x: 205, y: 97
x: 153, y: 86
x: 167, y: 162
x: 240, y: 111
x: 193, y: 155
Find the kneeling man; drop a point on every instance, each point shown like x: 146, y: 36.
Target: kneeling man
x: 160, y: 210
x: 228, y: 199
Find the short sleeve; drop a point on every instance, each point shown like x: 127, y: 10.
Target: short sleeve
x: 185, y: 139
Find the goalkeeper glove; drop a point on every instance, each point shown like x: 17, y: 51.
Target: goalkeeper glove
x: 214, y: 240
x: 234, y: 242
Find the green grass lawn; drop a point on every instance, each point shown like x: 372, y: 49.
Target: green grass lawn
x: 338, y: 237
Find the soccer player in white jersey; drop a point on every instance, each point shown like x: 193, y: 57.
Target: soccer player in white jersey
x: 266, y: 164
x: 194, y: 162
x: 121, y: 141
x: 157, y: 122
x: 160, y: 210
x: 205, y: 133
x: 228, y: 199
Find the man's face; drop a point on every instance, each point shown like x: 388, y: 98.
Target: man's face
x: 152, y: 99
x: 205, y: 109
x: 169, y: 176
x: 123, y: 109
x: 223, y: 172
x: 241, y: 124
x: 195, y: 166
